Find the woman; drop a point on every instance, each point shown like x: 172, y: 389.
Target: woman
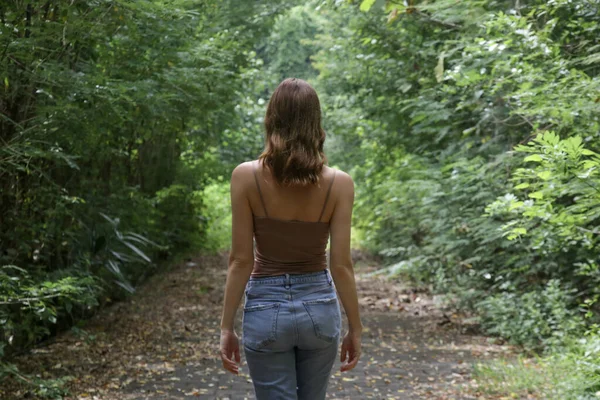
x: 290, y: 201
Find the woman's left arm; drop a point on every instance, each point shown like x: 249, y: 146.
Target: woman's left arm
x: 241, y: 261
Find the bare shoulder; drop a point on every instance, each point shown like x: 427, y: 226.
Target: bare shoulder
x: 242, y: 174
x: 242, y: 169
x: 343, y: 181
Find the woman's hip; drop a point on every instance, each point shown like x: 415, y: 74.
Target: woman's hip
x: 291, y: 311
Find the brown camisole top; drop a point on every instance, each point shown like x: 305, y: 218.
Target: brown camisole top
x: 289, y: 246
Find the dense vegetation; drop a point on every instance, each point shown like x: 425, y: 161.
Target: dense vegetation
x: 475, y: 126
x: 114, y: 117
x: 471, y: 129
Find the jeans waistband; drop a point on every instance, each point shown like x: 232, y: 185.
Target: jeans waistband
x: 290, y: 279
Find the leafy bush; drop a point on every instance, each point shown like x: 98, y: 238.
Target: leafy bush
x: 178, y: 215
x: 570, y: 372
x: 29, y: 306
x: 535, y: 319
x: 114, y: 115
x: 217, y: 214
x: 472, y: 132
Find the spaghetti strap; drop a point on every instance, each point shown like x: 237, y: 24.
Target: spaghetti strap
x: 327, y: 195
x: 262, y: 200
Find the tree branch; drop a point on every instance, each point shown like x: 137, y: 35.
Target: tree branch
x: 29, y: 299
x: 435, y: 20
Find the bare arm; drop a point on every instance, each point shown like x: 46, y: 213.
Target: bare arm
x: 341, y: 266
x: 241, y: 258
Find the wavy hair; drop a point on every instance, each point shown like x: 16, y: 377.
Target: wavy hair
x: 294, y: 137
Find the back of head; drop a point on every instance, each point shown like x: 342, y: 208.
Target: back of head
x: 294, y: 136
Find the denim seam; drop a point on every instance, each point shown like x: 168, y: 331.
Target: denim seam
x: 274, y: 326
x: 294, y: 319
x: 260, y: 307
x: 321, y: 301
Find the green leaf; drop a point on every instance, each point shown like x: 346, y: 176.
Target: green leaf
x: 522, y: 186
x: 515, y: 205
x: 573, y: 143
x: 550, y: 138
x: 439, y: 68
x: 406, y: 87
x: 534, y: 157
x: 520, y: 231
x: 125, y: 285
x: 536, y: 195
x: 545, y: 175
x: 366, y: 5
x: 587, y: 152
x: 589, y: 164
x: 418, y: 118
x: 137, y: 251
x: 516, y: 232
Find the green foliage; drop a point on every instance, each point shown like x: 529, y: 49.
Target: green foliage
x: 38, y: 387
x: 558, y: 212
x: 291, y: 44
x: 471, y: 130
x: 218, y: 216
x: 122, y: 254
x: 29, y: 306
x: 114, y: 116
x: 534, y: 319
x: 570, y: 373
x: 178, y: 210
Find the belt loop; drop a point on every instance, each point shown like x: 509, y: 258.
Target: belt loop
x: 328, y: 277
x: 288, y: 284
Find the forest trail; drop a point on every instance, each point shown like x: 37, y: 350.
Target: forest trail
x: 162, y: 344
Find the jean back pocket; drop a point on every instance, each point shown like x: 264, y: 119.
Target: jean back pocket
x: 325, y: 316
x: 259, y: 326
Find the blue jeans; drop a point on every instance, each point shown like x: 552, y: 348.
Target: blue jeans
x: 291, y: 330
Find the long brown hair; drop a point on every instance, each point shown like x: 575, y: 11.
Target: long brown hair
x: 294, y: 136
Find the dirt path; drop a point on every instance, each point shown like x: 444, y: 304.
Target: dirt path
x: 162, y: 344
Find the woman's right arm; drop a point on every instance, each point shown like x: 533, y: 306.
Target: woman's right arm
x: 342, y: 269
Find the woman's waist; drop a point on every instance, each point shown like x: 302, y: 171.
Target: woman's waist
x: 285, y: 276
x: 265, y: 267
x: 290, y: 258
x: 290, y: 287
